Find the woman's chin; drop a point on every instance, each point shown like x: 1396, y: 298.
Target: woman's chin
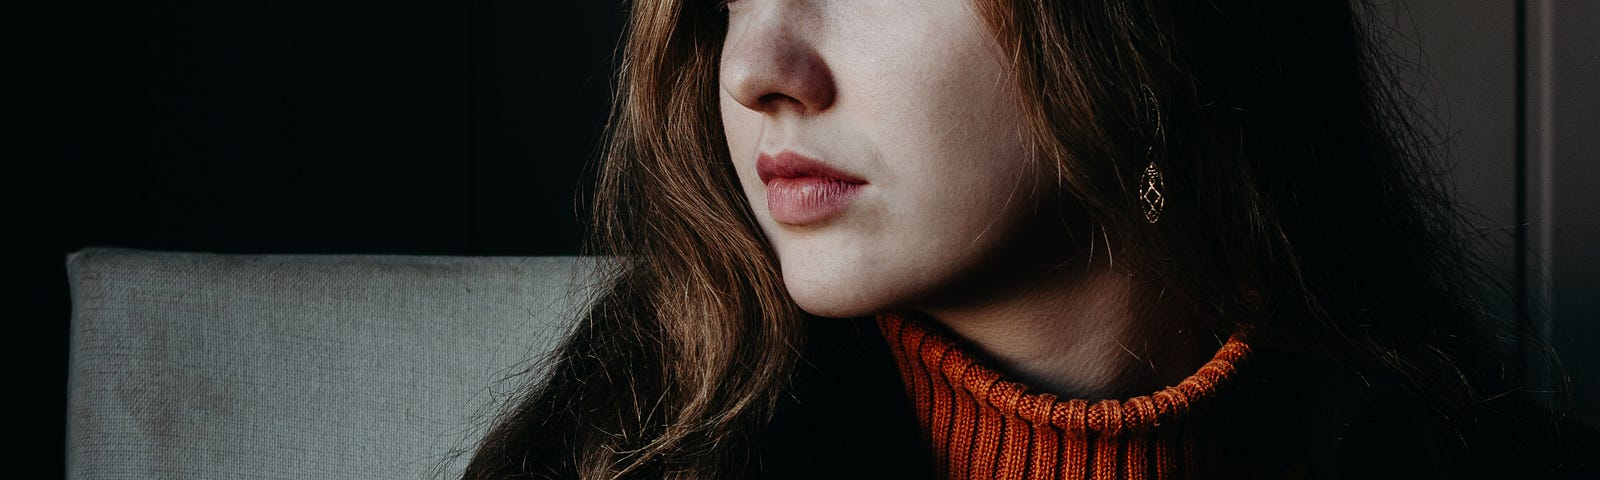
x: 822, y: 304
x: 835, y: 297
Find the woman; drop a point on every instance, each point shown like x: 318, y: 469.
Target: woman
x: 987, y: 238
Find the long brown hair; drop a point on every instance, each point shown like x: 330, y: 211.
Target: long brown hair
x: 695, y: 338
x: 1300, y: 201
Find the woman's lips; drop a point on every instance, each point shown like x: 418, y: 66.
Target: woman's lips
x: 802, y: 191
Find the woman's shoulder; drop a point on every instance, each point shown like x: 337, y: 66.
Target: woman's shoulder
x: 1332, y: 420
x: 1301, y: 417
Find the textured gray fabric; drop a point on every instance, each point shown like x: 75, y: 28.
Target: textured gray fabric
x: 233, y: 366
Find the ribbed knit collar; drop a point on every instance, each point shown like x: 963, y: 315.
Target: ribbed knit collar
x: 980, y: 425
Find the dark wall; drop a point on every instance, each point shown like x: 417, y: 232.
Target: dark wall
x: 1510, y: 85
x: 401, y: 126
x: 404, y: 126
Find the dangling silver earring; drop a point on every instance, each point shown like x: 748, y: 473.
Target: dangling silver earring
x: 1152, y: 185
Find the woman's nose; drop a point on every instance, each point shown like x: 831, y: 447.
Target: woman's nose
x: 769, y: 66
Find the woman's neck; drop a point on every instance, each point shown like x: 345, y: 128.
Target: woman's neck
x: 1078, y: 331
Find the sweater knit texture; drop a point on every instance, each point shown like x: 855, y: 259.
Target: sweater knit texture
x: 980, y: 425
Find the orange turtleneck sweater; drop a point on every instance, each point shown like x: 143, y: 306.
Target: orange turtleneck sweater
x: 982, y: 426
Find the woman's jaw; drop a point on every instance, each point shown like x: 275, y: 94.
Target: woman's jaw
x: 880, y: 148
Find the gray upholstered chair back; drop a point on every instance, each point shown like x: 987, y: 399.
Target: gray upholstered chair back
x: 300, y: 366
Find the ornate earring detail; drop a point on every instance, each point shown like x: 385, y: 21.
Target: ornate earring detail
x: 1150, y: 192
x: 1152, y: 186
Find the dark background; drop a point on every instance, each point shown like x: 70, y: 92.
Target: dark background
x: 467, y: 128
x: 400, y: 126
